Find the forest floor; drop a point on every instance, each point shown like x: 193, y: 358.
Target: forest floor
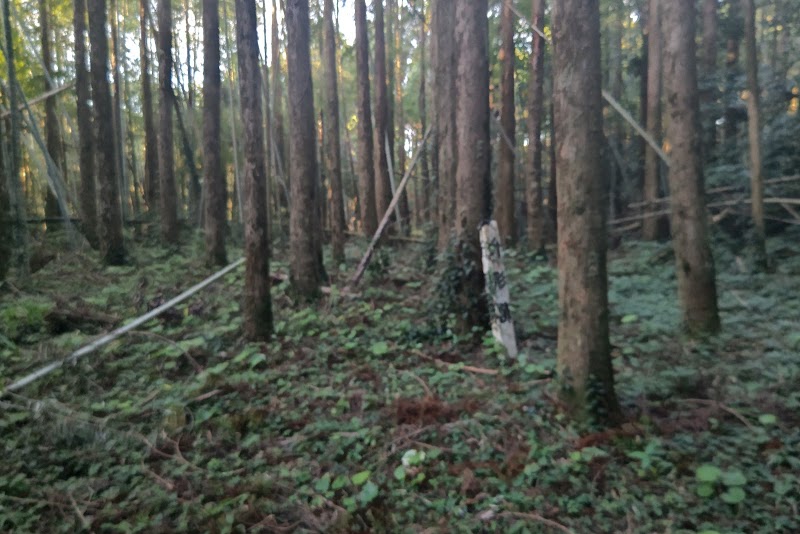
x: 366, y: 413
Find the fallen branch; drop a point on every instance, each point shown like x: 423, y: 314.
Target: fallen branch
x: 539, y: 519
x: 362, y: 266
x: 468, y: 368
x: 720, y: 406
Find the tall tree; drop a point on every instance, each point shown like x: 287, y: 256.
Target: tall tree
x: 6, y: 217
x: 473, y: 186
x: 304, y: 226
x: 533, y: 189
x: 216, y: 200
x: 88, y: 202
x: 119, y: 147
x: 504, y: 194
x: 426, y: 206
x: 366, y: 167
x: 690, y: 237
x: 584, y: 350
x: 383, y: 187
x: 150, y: 139
x: 444, y: 89
x: 398, y: 115
x: 257, y: 302
x: 112, y: 247
x: 709, y: 62
x: 166, y: 149
x: 51, y: 127
x: 754, y: 131
x: 333, y: 154
x: 652, y: 227
x: 282, y: 160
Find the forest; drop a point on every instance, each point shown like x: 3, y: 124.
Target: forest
x: 520, y: 266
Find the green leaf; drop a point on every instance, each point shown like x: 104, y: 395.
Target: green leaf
x: 400, y: 473
x: 708, y: 473
x: 323, y: 484
x: 359, y: 478
x: 734, y: 495
x: 734, y: 478
x: 705, y: 490
x: 630, y: 318
x: 767, y: 419
x: 379, y: 348
x: 339, y: 482
x: 368, y: 492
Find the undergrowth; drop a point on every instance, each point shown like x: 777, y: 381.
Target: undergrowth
x: 366, y: 413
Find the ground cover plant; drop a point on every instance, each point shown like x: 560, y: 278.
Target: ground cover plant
x: 367, y: 413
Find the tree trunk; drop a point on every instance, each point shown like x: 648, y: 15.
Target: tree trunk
x: 282, y: 159
x: 166, y: 156
x: 303, y: 220
x: 216, y: 199
x: 398, y: 114
x: 536, y: 216
x: 424, y: 169
x: 366, y: 166
x: 6, y: 217
x: 88, y: 201
x: 584, y: 351
x: 257, y: 309
x: 15, y: 192
x: 119, y: 146
x: 333, y: 155
x: 709, y: 60
x: 445, y: 88
x: 383, y: 187
x: 473, y: 176
x: 732, y: 86
x: 51, y: 127
x: 653, y: 227
x: 504, y: 194
x: 754, y: 132
x: 112, y: 247
x: 690, y: 238
x: 150, y: 139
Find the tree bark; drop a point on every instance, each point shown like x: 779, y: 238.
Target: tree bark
x: 112, y: 247
x: 257, y: 309
x: 653, y: 227
x: 51, y: 127
x: 584, y: 351
x: 6, y: 217
x: 426, y: 206
x: 150, y: 138
x: 383, y: 187
x: 754, y: 132
x: 397, y: 112
x: 304, y: 226
x: 473, y: 185
x: 282, y: 158
x: 216, y: 200
x: 366, y: 166
x: 690, y: 238
x: 504, y: 194
x: 88, y: 201
x: 166, y: 156
x: 445, y: 87
x: 333, y: 154
x: 536, y: 216
x: 709, y: 61
x: 119, y: 147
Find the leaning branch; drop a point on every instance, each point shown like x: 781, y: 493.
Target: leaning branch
x: 40, y: 98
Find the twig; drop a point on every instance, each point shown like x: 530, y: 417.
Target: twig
x: 468, y: 368
x: 86, y: 524
x: 723, y: 407
x: 428, y: 391
x: 539, y: 519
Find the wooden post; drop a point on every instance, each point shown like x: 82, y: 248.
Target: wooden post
x: 497, y: 288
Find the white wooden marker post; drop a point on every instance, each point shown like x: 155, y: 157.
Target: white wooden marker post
x: 497, y: 288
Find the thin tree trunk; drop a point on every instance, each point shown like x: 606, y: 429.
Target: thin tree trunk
x: 584, y: 350
x: 216, y: 198
x: 166, y: 157
x: 333, y: 154
x: 652, y: 227
x: 399, y: 114
x: 445, y: 88
x: 709, y: 60
x: 536, y: 218
x: 51, y: 128
x: 425, y: 175
x: 383, y: 187
x: 88, y: 202
x: 754, y: 132
x: 473, y: 186
x: 690, y: 236
x: 150, y: 139
x: 277, y: 103
x: 112, y: 247
x: 366, y: 166
x: 119, y: 145
x: 504, y: 193
x: 6, y: 217
x: 257, y: 309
